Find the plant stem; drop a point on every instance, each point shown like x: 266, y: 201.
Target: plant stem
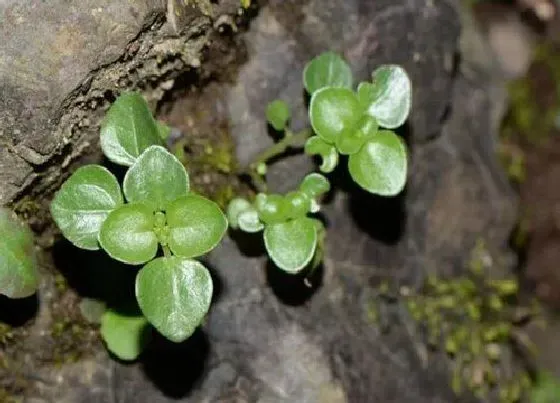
x: 290, y: 140
x: 166, y: 251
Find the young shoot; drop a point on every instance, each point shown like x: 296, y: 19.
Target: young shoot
x: 356, y: 124
x: 154, y: 220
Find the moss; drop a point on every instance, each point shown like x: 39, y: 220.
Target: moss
x: 473, y: 319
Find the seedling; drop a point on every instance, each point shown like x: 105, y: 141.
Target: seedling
x: 345, y: 122
x: 154, y: 220
x: 158, y: 223
x: 19, y: 277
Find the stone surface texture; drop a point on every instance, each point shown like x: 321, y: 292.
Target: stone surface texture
x: 269, y: 338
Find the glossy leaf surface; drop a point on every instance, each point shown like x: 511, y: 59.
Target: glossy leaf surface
x: 174, y: 294
x: 128, y: 234
x: 83, y: 202
x: 333, y: 111
x: 291, y: 244
x: 156, y: 179
x: 326, y: 70
x: 128, y: 129
x: 388, y: 97
x: 196, y: 225
x: 380, y: 167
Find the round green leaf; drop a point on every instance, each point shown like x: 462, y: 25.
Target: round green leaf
x: 196, y: 226
x: 333, y: 111
x: 351, y: 141
x: 18, y: 265
x: 83, y: 203
x: 315, y: 185
x: 128, y: 234
x: 326, y: 70
x: 125, y: 336
x: 174, y: 294
x: 278, y: 114
x: 249, y: 221
x: 272, y: 208
x: 156, y: 178
x: 236, y: 207
x: 299, y: 204
x: 317, y: 146
x: 389, y: 97
x: 128, y: 129
x: 291, y: 244
x: 380, y: 166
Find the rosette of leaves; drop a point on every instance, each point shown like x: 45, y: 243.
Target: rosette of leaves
x: 154, y: 221
x: 19, y: 277
x: 350, y: 122
x: 293, y: 240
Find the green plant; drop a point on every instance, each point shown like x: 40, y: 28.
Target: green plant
x: 156, y: 221
x: 345, y: 122
x: 19, y: 277
x: 162, y: 225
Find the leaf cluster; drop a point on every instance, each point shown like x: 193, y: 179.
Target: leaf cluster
x: 348, y: 122
x: 153, y: 220
x: 292, y: 239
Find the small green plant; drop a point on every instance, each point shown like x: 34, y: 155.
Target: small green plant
x: 155, y: 221
x: 162, y: 225
x: 345, y: 122
x: 19, y: 276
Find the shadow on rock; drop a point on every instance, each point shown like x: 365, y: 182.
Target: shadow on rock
x: 293, y: 289
x: 94, y: 274
x: 176, y: 368
x: 16, y: 312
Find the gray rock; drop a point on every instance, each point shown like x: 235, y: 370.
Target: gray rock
x: 269, y: 338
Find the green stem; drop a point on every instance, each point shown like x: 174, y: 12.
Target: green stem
x: 166, y: 251
x: 290, y: 140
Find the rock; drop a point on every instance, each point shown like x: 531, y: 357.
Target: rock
x: 269, y: 338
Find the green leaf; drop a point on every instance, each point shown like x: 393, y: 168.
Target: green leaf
x: 315, y: 185
x: 380, y: 166
x: 174, y: 294
x: 352, y: 140
x: 317, y: 146
x: 249, y: 221
x: 326, y: 70
x: 272, y: 208
x: 83, y: 203
x: 389, y: 97
x: 333, y: 111
x: 234, y: 208
x: 156, y: 179
x: 128, y: 129
x: 299, y: 204
x: 127, y: 234
x: 18, y: 265
x: 125, y: 336
x: 291, y: 244
x: 278, y: 114
x: 196, y: 226
x: 163, y: 130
